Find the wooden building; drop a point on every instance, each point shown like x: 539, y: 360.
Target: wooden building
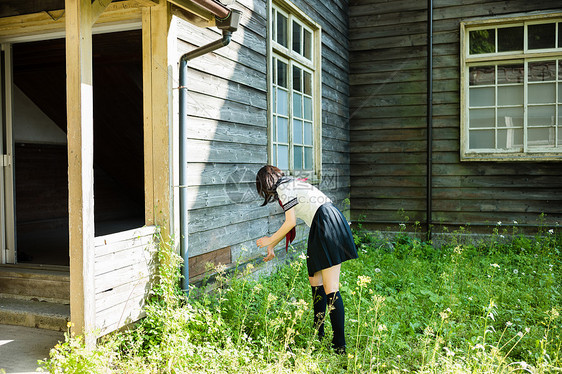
x: 127, y: 124
x: 106, y: 153
x: 485, y: 145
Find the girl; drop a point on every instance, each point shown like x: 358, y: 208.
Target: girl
x: 330, y: 242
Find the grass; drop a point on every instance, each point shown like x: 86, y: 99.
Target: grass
x: 462, y: 308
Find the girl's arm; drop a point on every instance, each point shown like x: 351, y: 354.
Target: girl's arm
x: 271, y: 241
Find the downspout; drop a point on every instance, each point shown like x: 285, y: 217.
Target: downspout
x: 228, y: 25
x: 429, y: 172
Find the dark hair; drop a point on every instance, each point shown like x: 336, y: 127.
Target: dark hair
x: 266, y: 182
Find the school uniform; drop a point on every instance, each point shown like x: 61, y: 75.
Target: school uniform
x: 330, y: 241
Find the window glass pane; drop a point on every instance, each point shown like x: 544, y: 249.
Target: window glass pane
x: 510, y: 138
x: 540, y: 115
x: 481, y: 139
x: 481, y: 118
x: 481, y: 96
x: 480, y: 75
x: 297, y: 105
x: 297, y: 78
x: 308, y: 133
x: 274, y: 124
x: 297, y: 37
x: 281, y: 74
x: 510, y: 95
x: 282, y: 97
x: 482, y: 41
x: 297, y: 131
x: 542, y: 93
x: 541, y: 71
x: 559, y: 125
x: 274, y: 70
x: 308, y: 158
x: 510, y: 117
x: 559, y: 92
x: 307, y: 81
x: 281, y: 29
x: 510, y: 73
x: 540, y: 137
x: 560, y: 67
x: 541, y: 36
x: 510, y: 39
x: 307, y: 44
x: 274, y: 156
x: 282, y: 125
x: 559, y: 34
x: 298, y: 157
x: 283, y: 157
x: 307, y: 108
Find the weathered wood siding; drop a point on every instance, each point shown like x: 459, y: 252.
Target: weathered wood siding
x: 227, y: 128
x: 124, y: 270
x: 388, y: 124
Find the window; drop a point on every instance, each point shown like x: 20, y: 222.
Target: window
x: 511, y: 89
x: 294, y: 105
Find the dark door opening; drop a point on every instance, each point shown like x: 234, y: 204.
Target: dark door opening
x: 40, y: 151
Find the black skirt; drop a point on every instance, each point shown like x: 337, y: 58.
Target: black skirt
x: 330, y: 241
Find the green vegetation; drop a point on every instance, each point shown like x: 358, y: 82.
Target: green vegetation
x: 462, y: 308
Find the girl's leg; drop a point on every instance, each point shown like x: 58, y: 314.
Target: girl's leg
x: 331, y: 279
x: 318, y: 302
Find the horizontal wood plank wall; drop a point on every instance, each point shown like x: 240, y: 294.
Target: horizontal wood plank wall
x: 388, y: 132
x: 227, y: 127
x: 124, y: 270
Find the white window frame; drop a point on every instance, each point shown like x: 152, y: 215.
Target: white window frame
x: 313, y: 66
x: 526, y: 153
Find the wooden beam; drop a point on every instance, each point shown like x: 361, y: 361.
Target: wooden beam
x: 147, y: 114
x: 98, y: 7
x: 145, y: 3
x: 193, y: 8
x: 41, y: 23
x: 159, y: 166
x: 80, y: 137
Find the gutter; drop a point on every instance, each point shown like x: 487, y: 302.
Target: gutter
x: 429, y: 173
x: 228, y: 25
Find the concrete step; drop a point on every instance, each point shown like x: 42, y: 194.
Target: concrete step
x: 29, y: 313
x: 35, y: 282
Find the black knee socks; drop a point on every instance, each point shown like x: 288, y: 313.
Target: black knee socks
x: 319, y: 305
x: 337, y: 318
x: 337, y: 315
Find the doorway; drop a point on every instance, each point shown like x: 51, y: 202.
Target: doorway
x: 40, y: 149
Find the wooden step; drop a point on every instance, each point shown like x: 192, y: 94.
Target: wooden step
x: 29, y: 313
x: 35, y: 282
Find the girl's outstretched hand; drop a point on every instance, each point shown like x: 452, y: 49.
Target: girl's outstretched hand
x: 266, y: 242
x: 270, y: 254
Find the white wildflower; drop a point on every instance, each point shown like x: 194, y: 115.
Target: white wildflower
x: 527, y: 330
x: 508, y: 324
x: 478, y: 346
x: 495, y: 266
x: 382, y: 328
x: 515, y: 271
x: 499, y: 223
x: 491, y: 316
x: 448, y: 351
x: 515, y: 222
x: 377, y: 270
x: 551, y: 231
x: 302, y: 256
x: 520, y: 334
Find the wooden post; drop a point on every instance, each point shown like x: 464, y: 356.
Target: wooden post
x: 156, y: 77
x: 80, y: 135
x: 80, y: 16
